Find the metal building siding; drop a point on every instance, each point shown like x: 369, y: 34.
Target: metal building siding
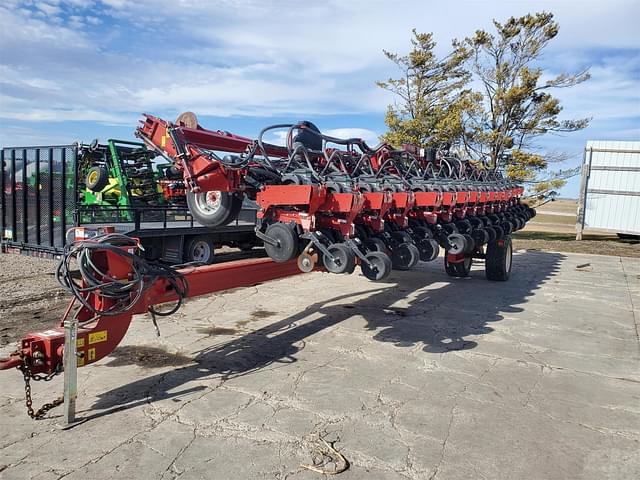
x: 610, y: 211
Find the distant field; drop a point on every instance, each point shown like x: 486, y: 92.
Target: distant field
x: 553, y: 229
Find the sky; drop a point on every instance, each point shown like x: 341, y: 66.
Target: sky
x: 78, y: 69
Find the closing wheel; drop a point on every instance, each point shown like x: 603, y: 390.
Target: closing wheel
x: 405, y: 256
x: 378, y: 266
x: 306, y: 262
x: 286, y: 240
x: 374, y: 244
x: 214, y: 208
x: 498, y: 260
x: 457, y: 243
x: 342, y: 259
x: 97, y: 178
x: 199, y: 249
x: 460, y: 269
x: 429, y: 249
x: 499, y: 232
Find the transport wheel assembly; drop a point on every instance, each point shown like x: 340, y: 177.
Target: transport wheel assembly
x: 498, y: 260
x: 214, y: 208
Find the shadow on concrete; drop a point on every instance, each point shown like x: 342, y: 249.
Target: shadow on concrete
x: 437, y: 318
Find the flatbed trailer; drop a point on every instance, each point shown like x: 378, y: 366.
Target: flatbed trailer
x: 39, y: 204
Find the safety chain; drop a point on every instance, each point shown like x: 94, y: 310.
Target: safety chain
x: 28, y: 376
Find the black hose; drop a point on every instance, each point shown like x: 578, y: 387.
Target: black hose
x: 124, y: 292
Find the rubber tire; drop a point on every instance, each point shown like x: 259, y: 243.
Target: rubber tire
x: 429, y: 249
x: 375, y: 244
x: 507, y: 227
x: 459, y: 270
x: 199, y: 241
x: 498, y: 260
x: 499, y: 232
x: 346, y: 257
x: 230, y: 206
x: 459, y: 241
x: 101, y: 180
x: 470, y: 244
x: 405, y: 256
x: 383, y: 264
x: 423, y: 232
x: 288, y: 242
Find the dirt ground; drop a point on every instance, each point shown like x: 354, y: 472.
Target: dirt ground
x: 31, y: 298
x: 566, y: 242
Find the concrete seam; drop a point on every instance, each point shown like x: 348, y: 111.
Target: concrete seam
x: 633, y: 307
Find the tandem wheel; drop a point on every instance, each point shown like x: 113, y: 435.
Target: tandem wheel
x: 498, y: 260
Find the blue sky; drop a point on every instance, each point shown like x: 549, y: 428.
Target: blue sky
x: 78, y: 69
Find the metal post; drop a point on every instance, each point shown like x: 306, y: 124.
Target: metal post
x: 582, y: 200
x: 70, y: 370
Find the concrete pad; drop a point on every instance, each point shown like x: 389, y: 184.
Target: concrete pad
x: 421, y: 376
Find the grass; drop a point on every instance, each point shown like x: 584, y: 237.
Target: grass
x: 566, y: 242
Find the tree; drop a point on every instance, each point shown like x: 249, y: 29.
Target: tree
x: 515, y: 105
x: 431, y: 92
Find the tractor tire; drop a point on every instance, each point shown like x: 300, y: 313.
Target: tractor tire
x: 199, y: 249
x: 459, y: 270
x: 287, y: 242
x: 343, y: 261
x: 498, y: 260
x: 214, y: 208
x: 97, y: 178
x: 381, y: 266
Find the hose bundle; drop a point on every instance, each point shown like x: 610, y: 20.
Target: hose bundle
x: 124, y: 292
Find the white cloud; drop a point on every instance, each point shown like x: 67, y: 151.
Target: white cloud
x: 265, y: 58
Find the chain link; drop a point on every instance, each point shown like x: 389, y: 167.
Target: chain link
x: 28, y: 376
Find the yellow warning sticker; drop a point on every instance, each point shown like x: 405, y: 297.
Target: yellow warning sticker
x: 80, y: 343
x: 97, y: 337
x: 163, y: 141
x: 91, y: 354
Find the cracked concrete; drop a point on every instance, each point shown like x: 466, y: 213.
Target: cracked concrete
x: 421, y: 377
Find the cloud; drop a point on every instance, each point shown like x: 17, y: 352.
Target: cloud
x: 109, y: 60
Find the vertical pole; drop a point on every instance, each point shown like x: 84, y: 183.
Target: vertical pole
x: 25, y: 205
x: 63, y: 196
x: 37, y: 192
x: 50, y: 198
x: 582, y: 201
x: 70, y: 369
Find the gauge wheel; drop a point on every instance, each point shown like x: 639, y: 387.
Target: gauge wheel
x: 429, y: 249
x: 342, y: 259
x: 375, y: 244
x: 405, y: 256
x: 377, y: 266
